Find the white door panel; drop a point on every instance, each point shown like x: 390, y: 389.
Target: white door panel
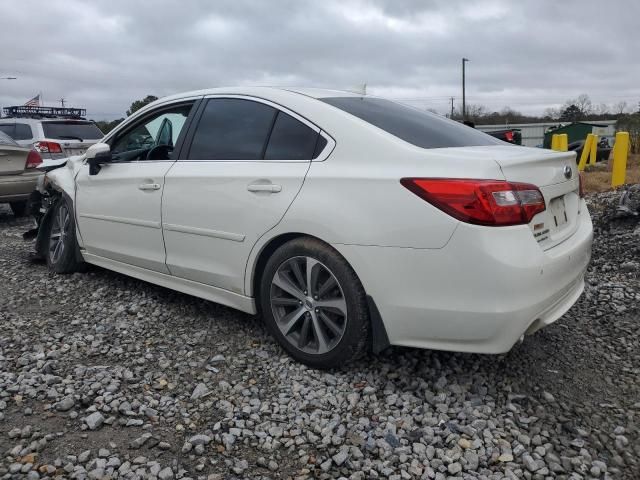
x: 215, y: 211
x: 119, y: 212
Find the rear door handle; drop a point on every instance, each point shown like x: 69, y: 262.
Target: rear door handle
x: 149, y: 186
x: 262, y: 187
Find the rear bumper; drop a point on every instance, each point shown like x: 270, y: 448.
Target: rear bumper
x: 18, y: 187
x: 480, y: 293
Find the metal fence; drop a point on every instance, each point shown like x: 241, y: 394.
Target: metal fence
x: 533, y: 133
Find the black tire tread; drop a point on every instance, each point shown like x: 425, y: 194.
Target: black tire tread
x: 19, y: 208
x: 358, y: 315
x: 68, y: 263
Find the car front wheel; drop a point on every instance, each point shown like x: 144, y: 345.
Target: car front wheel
x: 314, y: 304
x: 19, y: 209
x: 61, y: 242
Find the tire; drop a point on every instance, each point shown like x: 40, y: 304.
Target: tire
x: 327, y: 327
x: 19, y: 209
x: 61, y: 244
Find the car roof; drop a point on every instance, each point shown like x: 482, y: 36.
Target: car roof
x: 262, y: 90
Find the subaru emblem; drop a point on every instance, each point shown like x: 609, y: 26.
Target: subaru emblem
x: 567, y: 172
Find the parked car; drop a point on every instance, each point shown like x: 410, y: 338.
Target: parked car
x: 348, y: 222
x: 55, y: 133
x: 18, y: 174
x: 509, y: 135
x: 602, y: 152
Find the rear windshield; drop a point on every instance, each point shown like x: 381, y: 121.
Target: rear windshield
x: 71, y: 130
x: 422, y: 129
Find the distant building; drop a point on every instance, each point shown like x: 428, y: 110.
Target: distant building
x: 533, y: 133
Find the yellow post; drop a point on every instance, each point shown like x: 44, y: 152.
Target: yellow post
x: 620, y: 153
x: 594, y: 149
x: 563, y: 142
x: 586, y: 150
x: 554, y: 141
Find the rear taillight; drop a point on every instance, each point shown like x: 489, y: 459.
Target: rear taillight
x: 481, y: 202
x: 581, y: 187
x: 33, y: 160
x: 509, y: 136
x: 47, y: 147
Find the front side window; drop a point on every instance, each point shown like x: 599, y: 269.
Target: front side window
x: 154, y: 137
x: 232, y: 129
x: 420, y: 128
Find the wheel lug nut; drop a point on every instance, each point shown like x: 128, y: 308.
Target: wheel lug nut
x: 315, y: 297
x: 305, y: 292
x: 317, y: 310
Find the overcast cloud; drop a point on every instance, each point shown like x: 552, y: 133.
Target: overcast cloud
x: 529, y: 55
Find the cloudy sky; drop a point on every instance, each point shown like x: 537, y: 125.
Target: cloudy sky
x: 529, y: 55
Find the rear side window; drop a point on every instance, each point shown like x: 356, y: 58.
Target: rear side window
x: 232, y: 129
x: 290, y: 140
x: 422, y: 129
x: 71, y: 130
x: 17, y: 131
x: 6, y: 140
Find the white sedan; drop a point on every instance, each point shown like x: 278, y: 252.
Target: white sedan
x: 347, y: 222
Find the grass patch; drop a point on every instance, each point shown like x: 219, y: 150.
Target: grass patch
x: 597, y: 178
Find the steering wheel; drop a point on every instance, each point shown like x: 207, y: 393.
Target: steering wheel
x: 159, y: 152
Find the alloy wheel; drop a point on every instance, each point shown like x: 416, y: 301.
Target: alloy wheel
x: 308, y: 305
x: 60, y: 226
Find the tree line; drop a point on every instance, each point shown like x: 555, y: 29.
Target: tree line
x: 573, y: 110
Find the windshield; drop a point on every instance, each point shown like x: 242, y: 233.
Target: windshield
x: 71, y: 130
x: 420, y: 128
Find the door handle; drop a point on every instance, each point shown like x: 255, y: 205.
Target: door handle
x: 149, y: 186
x: 262, y: 187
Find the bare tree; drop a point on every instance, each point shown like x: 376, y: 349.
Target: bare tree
x: 620, y: 108
x: 583, y: 102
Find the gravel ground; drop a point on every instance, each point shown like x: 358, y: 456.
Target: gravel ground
x: 103, y: 376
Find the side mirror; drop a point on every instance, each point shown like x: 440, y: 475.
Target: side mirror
x: 97, y: 155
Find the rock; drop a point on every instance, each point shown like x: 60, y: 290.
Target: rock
x: 340, y: 457
x: 94, y: 421
x: 65, y: 404
x: 200, y: 391
x: 165, y: 474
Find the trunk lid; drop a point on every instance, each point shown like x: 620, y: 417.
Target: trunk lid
x: 12, y: 159
x: 556, y: 175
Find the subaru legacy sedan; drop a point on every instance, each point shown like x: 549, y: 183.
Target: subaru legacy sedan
x: 348, y: 222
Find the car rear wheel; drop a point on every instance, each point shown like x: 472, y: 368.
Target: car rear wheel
x: 19, y: 209
x: 61, y: 242
x: 314, y: 304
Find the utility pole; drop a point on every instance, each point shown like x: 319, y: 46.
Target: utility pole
x: 451, y: 116
x: 464, y: 106
x: 62, y: 102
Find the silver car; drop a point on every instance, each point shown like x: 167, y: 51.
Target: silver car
x: 55, y: 133
x: 18, y: 174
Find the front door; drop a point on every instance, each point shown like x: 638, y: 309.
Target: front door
x: 119, y: 208
x: 237, y: 175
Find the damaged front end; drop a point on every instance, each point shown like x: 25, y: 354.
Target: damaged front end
x: 57, y: 184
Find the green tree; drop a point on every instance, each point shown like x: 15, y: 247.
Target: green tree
x: 572, y: 113
x: 138, y: 104
x: 106, y: 126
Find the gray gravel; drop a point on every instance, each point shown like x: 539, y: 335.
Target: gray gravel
x: 103, y: 376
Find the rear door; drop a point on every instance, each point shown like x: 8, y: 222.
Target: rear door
x: 243, y: 165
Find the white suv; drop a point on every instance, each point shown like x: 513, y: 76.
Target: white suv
x: 55, y: 133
